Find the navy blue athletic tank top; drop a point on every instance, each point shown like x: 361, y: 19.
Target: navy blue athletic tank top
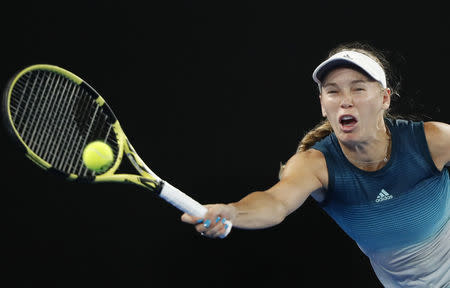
x: 404, y: 203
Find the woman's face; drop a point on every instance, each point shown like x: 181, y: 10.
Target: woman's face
x: 354, y: 105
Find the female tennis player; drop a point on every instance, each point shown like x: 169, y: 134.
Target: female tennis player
x: 383, y: 180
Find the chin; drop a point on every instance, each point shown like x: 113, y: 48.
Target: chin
x: 348, y: 137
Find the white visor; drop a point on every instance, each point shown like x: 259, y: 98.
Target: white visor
x: 360, y: 60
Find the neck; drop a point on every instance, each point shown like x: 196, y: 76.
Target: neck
x: 370, y: 154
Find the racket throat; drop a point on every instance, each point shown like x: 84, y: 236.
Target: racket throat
x: 137, y: 162
x: 152, y: 185
x: 140, y: 166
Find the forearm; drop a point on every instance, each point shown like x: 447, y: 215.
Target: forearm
x: 258, y: 210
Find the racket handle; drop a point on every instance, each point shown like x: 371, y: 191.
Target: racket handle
x: 186, y: 204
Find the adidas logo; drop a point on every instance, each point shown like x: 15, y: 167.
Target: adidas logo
x: 347, y: 56
x: 383, y: 196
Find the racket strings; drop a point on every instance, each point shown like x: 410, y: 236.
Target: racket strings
x: 56, y: 118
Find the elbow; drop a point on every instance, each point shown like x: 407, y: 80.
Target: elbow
x: 280, y: 212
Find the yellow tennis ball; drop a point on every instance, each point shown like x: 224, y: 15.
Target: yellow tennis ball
x: 98, y: 156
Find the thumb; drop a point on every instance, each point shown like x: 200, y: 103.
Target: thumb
x: 190, y: 219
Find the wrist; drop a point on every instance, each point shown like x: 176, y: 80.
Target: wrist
x: 233, y: 211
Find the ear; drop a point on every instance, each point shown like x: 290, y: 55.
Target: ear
x: 386, y: 98
x: 324, y: 114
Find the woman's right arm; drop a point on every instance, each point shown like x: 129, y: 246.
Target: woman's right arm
x: 304, y: 173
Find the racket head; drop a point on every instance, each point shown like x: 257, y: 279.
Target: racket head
x: 52, y: 114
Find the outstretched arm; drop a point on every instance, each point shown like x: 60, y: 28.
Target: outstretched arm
x: 304, y: 173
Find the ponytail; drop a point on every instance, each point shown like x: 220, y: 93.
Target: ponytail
x: 320, y: 131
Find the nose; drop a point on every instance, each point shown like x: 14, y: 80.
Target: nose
x: 347, y: 100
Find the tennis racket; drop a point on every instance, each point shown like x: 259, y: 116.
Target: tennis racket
x: 53, y: 114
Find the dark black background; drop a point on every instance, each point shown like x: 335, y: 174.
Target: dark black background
x: 213, y: 95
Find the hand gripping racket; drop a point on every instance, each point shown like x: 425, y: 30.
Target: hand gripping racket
x: 53, y: 114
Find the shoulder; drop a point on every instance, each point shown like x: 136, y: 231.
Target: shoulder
x: 311, y: 156
x: 310, y: 162
x: 437, y: 135
x: 436, y: 129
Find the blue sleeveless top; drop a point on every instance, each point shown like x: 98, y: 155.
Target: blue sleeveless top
x: 405, y: 202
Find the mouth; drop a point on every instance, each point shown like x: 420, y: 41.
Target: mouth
x: 348, y: 122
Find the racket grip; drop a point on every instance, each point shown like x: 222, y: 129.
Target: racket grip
x: 186, y: 204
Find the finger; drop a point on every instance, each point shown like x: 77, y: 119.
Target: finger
x: 219, y: 230
x: 216, y: 230
x: 218, y: 233
x: 204, y: 226
x: 227, y: 228
x: 191, y: 219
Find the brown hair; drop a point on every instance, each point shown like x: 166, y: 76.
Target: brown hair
x: 320, y: 131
